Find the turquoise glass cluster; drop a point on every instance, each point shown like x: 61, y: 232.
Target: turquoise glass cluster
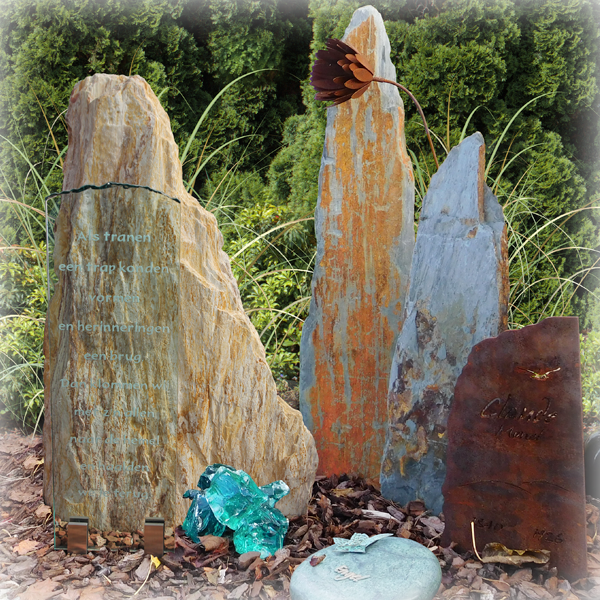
x: 229, y: 498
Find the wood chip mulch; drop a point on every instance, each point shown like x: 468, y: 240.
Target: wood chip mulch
x: 30, y: 568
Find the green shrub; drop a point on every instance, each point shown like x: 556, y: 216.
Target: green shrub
x: 489, y: 58
x: 23, y: 304
x: 590, y: 372
x: 272, y: 264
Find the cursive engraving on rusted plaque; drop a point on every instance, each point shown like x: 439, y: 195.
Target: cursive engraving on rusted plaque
x: 515, y: 446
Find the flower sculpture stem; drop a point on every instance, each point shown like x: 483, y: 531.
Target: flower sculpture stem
x: 419, y: 109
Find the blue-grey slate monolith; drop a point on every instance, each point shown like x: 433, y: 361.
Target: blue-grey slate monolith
x: 458, y: 296
x: 396, y: 569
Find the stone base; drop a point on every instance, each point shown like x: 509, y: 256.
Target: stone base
x: 390, y: 569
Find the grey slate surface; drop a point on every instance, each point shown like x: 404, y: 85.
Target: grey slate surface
x: 458, y: 296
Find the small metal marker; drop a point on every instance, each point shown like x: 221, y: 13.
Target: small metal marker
x: 77, y: 535
x: 154, y: 537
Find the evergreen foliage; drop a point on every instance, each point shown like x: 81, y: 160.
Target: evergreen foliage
x: 187, y: 50
x: 22, y: 297
x: 590, y: 373
x: 475, y: 62
x: 490, y: 57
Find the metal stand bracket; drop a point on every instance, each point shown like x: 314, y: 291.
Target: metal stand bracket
x: 154, y: 537
x: 77, y: 535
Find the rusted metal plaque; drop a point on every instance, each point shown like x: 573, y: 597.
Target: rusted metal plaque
x: 515, y: 446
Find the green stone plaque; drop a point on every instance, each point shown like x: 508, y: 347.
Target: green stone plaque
x: 390, y: 569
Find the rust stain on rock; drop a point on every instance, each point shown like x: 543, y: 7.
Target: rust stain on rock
x: 364, y: 224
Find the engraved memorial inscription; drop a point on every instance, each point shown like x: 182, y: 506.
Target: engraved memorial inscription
x: 515, y: 446
x: 114, y: 390
x: 346, y: 573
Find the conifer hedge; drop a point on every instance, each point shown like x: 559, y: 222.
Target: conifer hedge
x: 472, y: 64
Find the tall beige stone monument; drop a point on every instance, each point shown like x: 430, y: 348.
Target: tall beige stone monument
x: 227, y: 408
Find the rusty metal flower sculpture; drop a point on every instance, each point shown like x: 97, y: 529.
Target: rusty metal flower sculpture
x: 342, y: 73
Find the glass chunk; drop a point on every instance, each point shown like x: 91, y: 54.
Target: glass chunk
x: 231, y: 494
x: 263, y: 530
x: 275, y: 491
x: 229, y: 498
x: 200, y: 519
x: 206, y: 477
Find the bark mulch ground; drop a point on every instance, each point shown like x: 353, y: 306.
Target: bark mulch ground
x: 30, y: 568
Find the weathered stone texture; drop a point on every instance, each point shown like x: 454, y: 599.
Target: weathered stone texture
x: 365, y: 238
x: 95, y: 469
x: 458, y: 296
x: 515, y: 446
x: 229, y: 411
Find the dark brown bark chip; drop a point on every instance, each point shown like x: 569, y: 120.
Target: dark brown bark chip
x: 190, y: 572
